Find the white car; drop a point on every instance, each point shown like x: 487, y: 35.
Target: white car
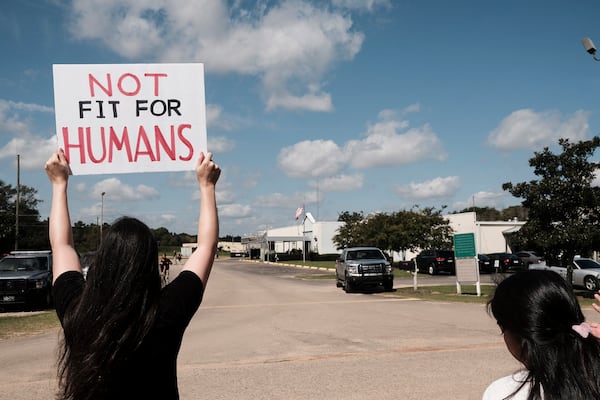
x: 586, y: 272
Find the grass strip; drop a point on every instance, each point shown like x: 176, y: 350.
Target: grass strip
x: 27, y: 324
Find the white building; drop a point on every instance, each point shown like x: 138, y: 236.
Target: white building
x: 317, y: 236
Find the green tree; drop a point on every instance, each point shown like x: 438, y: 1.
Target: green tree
x: 433, y: 231
x: 563, y: 206
x: 518, y: 212
x: 33, y: 233
x: 349, y: 235
x: 86, y: 236
x: 484, y: 213
x: 399, y: 231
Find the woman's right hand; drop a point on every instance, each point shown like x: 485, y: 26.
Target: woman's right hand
x: 57, y: 168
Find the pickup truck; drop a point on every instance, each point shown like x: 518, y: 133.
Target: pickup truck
x: 361, y: 267
x: 26, y: 279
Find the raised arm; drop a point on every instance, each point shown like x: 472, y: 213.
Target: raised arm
x: 201, y: 260
x: 64, y: 256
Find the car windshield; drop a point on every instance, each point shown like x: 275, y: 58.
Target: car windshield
x: 10, y: 264
x: 364, y: 254
x: 588, y: 264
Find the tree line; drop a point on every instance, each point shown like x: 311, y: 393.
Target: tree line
x: 33, y: 230
x: 410, y: 230
x: 561, y: 210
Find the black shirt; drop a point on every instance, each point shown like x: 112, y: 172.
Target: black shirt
x: 152, y: 373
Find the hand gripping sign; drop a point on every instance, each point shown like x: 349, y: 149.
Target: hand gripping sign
x: 119, y: 118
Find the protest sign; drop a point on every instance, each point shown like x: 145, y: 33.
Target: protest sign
x: 118, y: 118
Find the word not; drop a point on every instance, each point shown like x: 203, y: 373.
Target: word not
x: 128, y: 83
x: 157, y: 108
x: 109, y: 142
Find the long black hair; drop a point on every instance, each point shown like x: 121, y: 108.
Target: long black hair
x: 116, y: 310
x: 539, y: 309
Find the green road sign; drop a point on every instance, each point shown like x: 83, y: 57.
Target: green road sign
x: 464, y: 245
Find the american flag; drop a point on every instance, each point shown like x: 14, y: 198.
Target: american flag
x: 299, y: 212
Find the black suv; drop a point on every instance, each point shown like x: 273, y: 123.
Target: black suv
x: 436, y: 261
x: 506, y: 261
x: 26, y: 279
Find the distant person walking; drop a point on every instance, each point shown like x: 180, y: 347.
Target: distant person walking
x: 165, y: 265
x: 545, y: 330
x: 122, y: 333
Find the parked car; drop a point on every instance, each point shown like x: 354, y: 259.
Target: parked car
x: 586, y: 272
x: 486, y: 266
x: 529, y: 257
x: 506, y: 261
x: 26, y: 279
x: 363, y: 266
x: 407, y: 265
x: 435, y: 261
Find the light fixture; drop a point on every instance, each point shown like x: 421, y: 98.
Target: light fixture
x: 588, y: 45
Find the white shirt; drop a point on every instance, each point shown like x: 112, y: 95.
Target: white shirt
x: 507, y: 385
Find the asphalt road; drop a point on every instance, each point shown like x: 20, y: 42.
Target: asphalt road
x: 264, y: 333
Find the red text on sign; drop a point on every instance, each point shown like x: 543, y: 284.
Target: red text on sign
x: 147, y: 144
x: 128, y: 84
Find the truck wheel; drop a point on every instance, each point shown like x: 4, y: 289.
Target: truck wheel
x: 432, y: 269
x: 591, y: 283
x: 348, y: 288
x: 388, y: 286
x: 338, y: 282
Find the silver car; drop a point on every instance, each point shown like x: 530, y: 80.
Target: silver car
x: 586, y: 272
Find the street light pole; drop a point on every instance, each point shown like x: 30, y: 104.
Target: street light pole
x: 101, y: 214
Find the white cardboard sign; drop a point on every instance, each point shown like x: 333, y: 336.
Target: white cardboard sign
x: 119, y: 118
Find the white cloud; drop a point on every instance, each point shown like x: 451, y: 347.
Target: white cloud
x: 224, y: 195
x: 28, y: 107
x: 367, y: 5
x: 340, y: 183
x: 119, y: 191
x: 528, y: 129
x: 11, y: 124
x: 311, y: 159
x: 384, y: 145
x: 215, y: 117
x: 435, y: 188
x: 290, y: 44
x: 235, y: 211
x: 290, y: 201
x: 219, y: 144
x: 311, y: 102
x: 34, y: 151
x: 15, y: 123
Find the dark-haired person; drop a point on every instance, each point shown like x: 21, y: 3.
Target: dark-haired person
x: 165, y: 264
x: 545, y: 330
x: 122, y: 332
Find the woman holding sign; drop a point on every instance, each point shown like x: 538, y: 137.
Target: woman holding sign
x: 122, y: 332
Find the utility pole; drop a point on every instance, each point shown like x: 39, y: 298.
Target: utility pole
x: 101, y: 214
x: 18, y: 201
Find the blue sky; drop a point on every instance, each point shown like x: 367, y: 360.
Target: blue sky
x: 340, y: 105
